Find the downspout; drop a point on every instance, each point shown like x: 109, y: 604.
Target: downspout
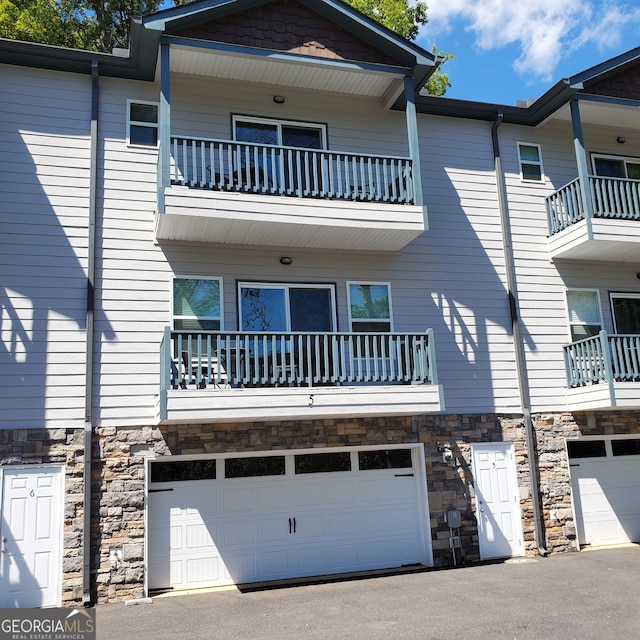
x: 521, y: 371
x: 88, y: 393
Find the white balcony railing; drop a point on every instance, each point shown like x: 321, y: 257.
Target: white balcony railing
x: 222, y: 165
x: 614, y: 198
x: 603, y: 359
x: 244, y: 360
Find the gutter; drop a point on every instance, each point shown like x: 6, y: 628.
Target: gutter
x: 88, y: 393
x: 521, y: 371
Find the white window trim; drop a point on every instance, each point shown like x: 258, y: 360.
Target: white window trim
x: 618, y: 294
x: 567, y: 310
x: 151, y: 125
x: 530, y: 162
x: 196, y: 277
x: 279, y: 123
x: 286, y: 286
x: 351, y: 320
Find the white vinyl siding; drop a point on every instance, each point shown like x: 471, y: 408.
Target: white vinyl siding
x: 44, y: 190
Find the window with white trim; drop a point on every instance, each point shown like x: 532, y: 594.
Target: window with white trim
x: 142, y: 123
x: 197, y: 304
x: 616, y: 167
x: 625, y: 308
x: 530, y: 157
x: 369, y: 307
x: 585, y: 317
x: 304, y: 135
x: 286, y: 307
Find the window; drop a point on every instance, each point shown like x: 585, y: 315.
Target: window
x: 282, y: 133
x: 197, y: 304
x: 142, y: 123
x: 286, y: 307
x: 369, y: 306
x: 323, y: 462
x: 616, y: 167
x: 254, y: 467
x: 530, y: 162
x: 586, y: 449
x: 183, y: 470
x: 585, y: 319
x: 626, y: 313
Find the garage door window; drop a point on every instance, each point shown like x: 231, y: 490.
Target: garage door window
x: 183, y: 470
x: 626, y: 447
x: 323, y: 462
x: 388, y: 459
x: 586, y: 449
x: 251, y: 467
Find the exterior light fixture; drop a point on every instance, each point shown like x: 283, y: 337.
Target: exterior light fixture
x: 619, y: 139
x: 278, y: 99
x: 286, y: 260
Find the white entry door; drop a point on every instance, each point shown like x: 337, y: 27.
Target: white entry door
x: 497, y: 503
x: 31, y: 536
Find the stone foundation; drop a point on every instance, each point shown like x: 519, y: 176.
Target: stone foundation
x: 119, y: 477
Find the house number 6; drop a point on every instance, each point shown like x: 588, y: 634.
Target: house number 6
x: 32, y: 493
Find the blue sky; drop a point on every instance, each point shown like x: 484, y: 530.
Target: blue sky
x: 509, y: 50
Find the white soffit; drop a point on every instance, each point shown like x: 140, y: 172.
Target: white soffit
x: 264, y: 70
x: 602, y: 113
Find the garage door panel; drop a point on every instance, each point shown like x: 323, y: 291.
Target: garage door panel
x: 606, y: 493
x: 271, y: 497
x: 200, y: 535
x: 246, y: 529
x: 238, y: 499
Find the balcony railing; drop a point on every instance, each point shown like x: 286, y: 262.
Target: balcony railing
x: 239, y: 359
x: 603, y: 359
x: 615, y: 198
x: 222, y: 165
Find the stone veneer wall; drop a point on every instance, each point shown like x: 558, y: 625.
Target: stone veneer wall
x: 119, y: 467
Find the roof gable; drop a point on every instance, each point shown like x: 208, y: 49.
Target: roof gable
x: 623, y: 84
x: 288, y: 26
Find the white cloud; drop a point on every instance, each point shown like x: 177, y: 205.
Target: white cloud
x: 544, y: 30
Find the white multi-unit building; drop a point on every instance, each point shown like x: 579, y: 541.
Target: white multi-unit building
x: 269, y: 311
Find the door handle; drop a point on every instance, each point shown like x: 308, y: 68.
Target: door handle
x: 289, y: 525
x: 294, y: 525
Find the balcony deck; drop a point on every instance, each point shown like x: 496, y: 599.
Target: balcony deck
x: 240, y: 193
x: 611, y: 233
x: 236, y: 376
x: 603, y: 372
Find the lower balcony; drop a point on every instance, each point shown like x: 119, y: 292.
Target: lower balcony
x: 246, y: 193
x: 240, y: 377
x: 611, y: 233
x: 603, y: 372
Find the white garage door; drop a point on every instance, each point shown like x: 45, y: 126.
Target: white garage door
x: 605, y: 479
x: 251, y: 519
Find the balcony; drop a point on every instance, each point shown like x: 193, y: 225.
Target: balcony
x: 611, y: 232
x: 256, y: 194
x: 603, y: 372
x: 238, y: 376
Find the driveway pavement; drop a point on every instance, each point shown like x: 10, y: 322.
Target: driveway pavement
x: 592, y: 595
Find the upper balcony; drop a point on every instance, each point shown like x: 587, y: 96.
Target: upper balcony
x: 259, y: 194
x: 603, y: 372
x: 599, y: 223
x: 238, y: 376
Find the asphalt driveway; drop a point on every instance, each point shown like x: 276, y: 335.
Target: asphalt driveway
x: 592, y: 595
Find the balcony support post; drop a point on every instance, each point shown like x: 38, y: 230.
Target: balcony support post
x: 414, y: 145
x: 581, y: 161
x: 606, y: 361
x: 164, y: 125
